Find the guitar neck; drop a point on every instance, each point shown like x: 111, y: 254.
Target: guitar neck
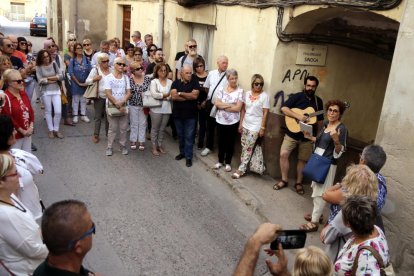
x: 316, y: 113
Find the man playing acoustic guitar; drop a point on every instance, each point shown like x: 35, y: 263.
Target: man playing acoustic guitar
x: 300, y: 106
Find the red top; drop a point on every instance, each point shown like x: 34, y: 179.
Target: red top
x: 20, y: 55
x: 20, y: 111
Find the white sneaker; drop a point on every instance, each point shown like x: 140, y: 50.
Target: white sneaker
x: 228, y: 168
x: 124, y: 151
x: 108, y: 152
x: 205, y: 152
x: 85, y: 119
x: 75, y: 119
x: 217, y: 166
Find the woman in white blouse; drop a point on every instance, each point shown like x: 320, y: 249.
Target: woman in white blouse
x: 21, y: 245
x: 160, y: 89
x: 98, y: 74
x: 252, y: 121
x: 229, y: 102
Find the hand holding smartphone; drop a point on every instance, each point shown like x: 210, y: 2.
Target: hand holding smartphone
x: 290, y: 239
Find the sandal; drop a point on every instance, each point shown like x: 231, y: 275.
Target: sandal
x: 133, y: 145
x: 237, y: 174
x: 299, y: 188
x: 280, y: 185
x: 308, y: 217
x: 310, y: 227
x: 141, y: 146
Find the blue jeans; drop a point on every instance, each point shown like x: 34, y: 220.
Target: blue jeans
x: 185, y: 132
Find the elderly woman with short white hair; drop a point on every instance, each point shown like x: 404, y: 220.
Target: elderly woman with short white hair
x: 118, y: 91
x: 98, y: 74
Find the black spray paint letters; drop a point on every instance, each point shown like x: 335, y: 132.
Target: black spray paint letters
x: 299, y: 73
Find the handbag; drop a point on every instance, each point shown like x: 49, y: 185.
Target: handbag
x: 317, y: 168
x: 256, y: 163
x: 149, y: 101
x: 113, y: 111
x: 92, y: 91
x: 384, y: 270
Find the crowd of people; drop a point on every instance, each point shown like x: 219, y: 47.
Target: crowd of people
x: 133, y: 90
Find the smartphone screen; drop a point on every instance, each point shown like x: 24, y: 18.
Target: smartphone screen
x: 290, y: 239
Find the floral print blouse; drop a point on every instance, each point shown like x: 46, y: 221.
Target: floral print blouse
x: 137, y: 90
x: 367, y: 264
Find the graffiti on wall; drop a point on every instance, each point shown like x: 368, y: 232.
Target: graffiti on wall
x: 297, y: 74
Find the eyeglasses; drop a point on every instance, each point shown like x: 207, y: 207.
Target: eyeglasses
x: 52, y: 46
x: 104, y: 61
x: 333, y: 110
x: 72, y: 39
x: 258, y: 84
x: 91, y: 231
x: 200, y: 65
x: 11, y: 175
x: 162, y: 71
x: 86, y: 44
x: 121, y: 64
x: 79, y: 48
x: 192, y: 46
x: 17, y: 81
x: 9, y: 45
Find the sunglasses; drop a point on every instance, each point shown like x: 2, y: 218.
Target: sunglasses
x: 153, y: 50
x: 89, y: 232
x: 17, y: 81
x: 52, y: 46
x: 104, y: 61
x: 192, y: 46
x: 333, y: 110
x: 23, y: 43
x: 121, y: 64
x: 86, y: 44
x: 72, y: 39
x: 138, y: 68
x: 258, y: 84
x: 200, y: 65
x: 78, y: 48
x: 11, y: 175
x: 29, y: 45
x: 9, y: 45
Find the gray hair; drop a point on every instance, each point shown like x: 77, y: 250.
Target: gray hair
x: 119, y: 59
x: 231, y: 72
x: 104, y: 42
x: 137, y: 34
x: 374, y: 157
x: 101, y: 56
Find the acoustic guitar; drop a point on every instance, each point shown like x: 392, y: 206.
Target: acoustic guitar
x: 293, y: 124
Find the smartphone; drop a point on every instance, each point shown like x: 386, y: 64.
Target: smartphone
x: 290, y: 239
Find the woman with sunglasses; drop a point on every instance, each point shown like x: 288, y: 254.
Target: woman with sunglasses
x: 118, y: 90
x: 79, y: 68
x: 98, y: 74
x: 21, y: 245
x: 253, y: 118
x: 138, y: 120
x: 330, y: 143
x: 22, y: 46
x: 160, y: 89
x: 17, y: 106
x: 200, y: 74
x: 138, y: 57
x: 48, y: 76
x: 88, y: 51
x: 151, y: 53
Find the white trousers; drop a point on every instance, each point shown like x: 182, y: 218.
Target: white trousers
x: 24, y: 143
x: 76, y: 99
x: 138, y: 123
x: 55, y: 101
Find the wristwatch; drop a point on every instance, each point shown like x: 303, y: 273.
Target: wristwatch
x: 179, y: 93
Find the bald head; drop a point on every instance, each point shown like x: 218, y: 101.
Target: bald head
x: 186, y: 73
x: 222, y: 63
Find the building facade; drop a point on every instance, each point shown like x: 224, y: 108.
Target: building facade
x: 22, y: 10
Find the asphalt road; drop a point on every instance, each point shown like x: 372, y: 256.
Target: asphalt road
x: 22, y: 29
x: 154, y: 216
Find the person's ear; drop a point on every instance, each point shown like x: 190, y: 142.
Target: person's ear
x: 78, y: 247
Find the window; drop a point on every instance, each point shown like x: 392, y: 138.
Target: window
x: 16, y: 11
x: 203, y: 34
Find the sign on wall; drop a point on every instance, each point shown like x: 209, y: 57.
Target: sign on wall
x: 309, y: 54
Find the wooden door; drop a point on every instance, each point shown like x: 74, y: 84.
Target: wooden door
x: 126, y: 25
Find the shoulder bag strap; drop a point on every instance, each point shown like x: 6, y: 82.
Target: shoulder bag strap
x: 8, y: 270
x: 182, y: 61
x: 374, y: 252
x: 214, y: 90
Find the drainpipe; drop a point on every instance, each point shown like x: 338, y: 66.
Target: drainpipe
x: 75, y: 29
x: 160, y: 23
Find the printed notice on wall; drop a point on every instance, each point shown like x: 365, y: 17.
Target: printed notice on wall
x: 309, y: 54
